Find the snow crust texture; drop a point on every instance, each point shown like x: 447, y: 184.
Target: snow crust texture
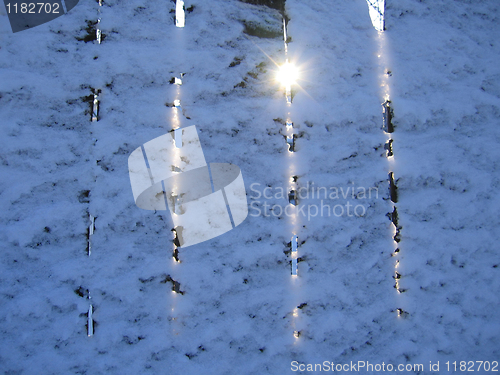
x: 230, y: 305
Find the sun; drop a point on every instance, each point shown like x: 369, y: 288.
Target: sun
x: 287, y: 74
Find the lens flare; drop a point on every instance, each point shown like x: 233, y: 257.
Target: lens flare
x: 287, y: 74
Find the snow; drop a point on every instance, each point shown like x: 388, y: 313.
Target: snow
x: 240, y: 304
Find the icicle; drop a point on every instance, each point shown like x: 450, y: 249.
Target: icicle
x: 294, y: 243
x: 180, y: 18
x: 377, y: 11
x: 98, y: 32
x: 91, y: 232
x: 284, y: 31
x: 178, y: 138
x: 176, y: 202
x: 290, y: 140
x: 95, y: 109
x: 387, y: 116
x: 294, y: 267
x: 90, y: 322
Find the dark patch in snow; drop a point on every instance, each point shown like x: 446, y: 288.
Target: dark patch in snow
x: 83, y: 197
x: 81, y: 292
x: 176, y: 286
x: 235, y: 62
x: 91, y: 31
x: 393, y: 189
x: 132, y: 341
x: 252, y: 29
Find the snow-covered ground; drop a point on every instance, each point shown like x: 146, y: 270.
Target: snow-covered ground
x: 240, y: 305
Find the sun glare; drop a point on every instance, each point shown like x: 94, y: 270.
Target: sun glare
x: 287, y: 74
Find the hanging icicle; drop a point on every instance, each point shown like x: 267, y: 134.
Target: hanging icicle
x: 180, y: 18
x: 377, y: 11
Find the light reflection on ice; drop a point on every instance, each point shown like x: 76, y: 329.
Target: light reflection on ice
x: 377, y: 13
x: 179, y: 14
